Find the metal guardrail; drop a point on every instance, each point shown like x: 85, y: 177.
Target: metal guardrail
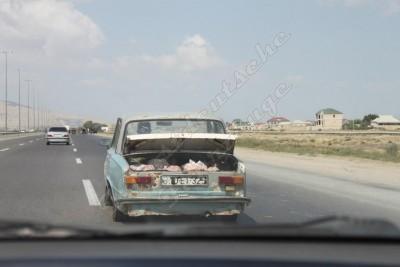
x: 4, y: 135
x: 10, y: 133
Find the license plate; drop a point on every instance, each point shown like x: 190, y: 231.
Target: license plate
x: 184, y: 180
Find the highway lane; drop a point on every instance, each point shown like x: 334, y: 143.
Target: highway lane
x: 7, y: 143
x: 65, y: 184
x: 287, y: 195
x: 44, y: 183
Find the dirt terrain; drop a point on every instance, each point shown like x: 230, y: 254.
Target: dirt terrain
x: 371, y: 146
x: 378, y: 173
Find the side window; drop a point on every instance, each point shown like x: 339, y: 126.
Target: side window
x: 215, y: 127
x: 219, y: 127
x: 116, y: 134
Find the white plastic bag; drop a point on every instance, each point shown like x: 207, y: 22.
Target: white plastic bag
x: 142, y: 167
x: 194, y: 166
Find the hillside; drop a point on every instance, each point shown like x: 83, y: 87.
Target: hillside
x: 53, y: 118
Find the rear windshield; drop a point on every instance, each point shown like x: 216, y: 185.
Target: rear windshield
x: 175, y: 126
x: 58, y: 129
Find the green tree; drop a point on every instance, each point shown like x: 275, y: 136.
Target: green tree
x: 368, y: 118
x: 88, y: 124
x: 93, y: 126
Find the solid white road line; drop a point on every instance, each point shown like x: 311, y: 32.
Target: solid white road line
x: 78, y: 161
x: 21, y: 144
x: 4, y: 149
x: 75, y: 149
x: 31, y: 141
x: 91, y: 193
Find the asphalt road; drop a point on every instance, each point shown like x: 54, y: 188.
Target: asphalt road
x: 65, y: 184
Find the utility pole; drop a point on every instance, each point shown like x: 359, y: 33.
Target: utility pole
x: 19, y: 100
x: 38, y: 111
x: 33, y: 107
x: 6, y: 85
x: 28, y: 82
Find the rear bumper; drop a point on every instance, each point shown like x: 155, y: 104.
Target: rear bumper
x: 136, y: 207
x: 57, y: 140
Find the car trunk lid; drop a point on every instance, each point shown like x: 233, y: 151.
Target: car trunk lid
x: 205, y: 142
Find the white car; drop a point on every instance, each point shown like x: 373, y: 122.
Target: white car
x: 58, y: 135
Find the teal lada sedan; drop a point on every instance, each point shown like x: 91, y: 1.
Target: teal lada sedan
x: 173, y: 165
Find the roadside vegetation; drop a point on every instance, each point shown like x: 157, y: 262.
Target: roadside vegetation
x: 94, y: 127
x: 360, y: 124
x: 375, y: 147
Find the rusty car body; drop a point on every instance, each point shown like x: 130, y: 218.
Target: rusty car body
x: 173, y: 165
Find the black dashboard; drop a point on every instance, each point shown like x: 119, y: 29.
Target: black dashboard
x: 197, y: 253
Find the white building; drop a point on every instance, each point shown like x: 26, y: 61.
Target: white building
x: 329, y: 119
x: 386, y: 122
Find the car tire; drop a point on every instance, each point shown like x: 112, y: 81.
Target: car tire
x: 107, y: 197
x: 47, y: 143
x: 117, y: 215
x: 68, y: 143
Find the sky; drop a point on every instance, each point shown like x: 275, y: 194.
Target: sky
x: 106, y: 59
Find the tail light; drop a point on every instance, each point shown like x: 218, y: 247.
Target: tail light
x: 49, y: 135
x: 231, y: 180
x: 129, y: 180
x: 65, y: 135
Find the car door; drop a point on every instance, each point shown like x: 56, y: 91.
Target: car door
x: 115, y: 165
x: 108, y: 164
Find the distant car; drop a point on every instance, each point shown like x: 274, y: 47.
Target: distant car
x: 58, y: 135
x: 174, y: 165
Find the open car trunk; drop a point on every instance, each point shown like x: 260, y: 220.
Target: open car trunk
x: 181, y: 162
x: 203, y: 142
x: 183, y: 174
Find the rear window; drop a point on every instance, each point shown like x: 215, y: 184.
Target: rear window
x: 175, y: 126
x: 58, y: 129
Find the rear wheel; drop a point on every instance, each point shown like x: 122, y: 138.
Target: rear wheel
x: 107, y: 197
x: 47, y: 143
x: 118, y: 216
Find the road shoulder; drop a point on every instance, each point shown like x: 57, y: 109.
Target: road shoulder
x: 377, y: 173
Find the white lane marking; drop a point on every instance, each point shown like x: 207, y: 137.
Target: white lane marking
x: 4, y: 149
x: 21, y: 144
x: 90, y: 193
x: 31, y: 141
x: 75, y: 149
x: 78, y: 161
x: 72, y: 144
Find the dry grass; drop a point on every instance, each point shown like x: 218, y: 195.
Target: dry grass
x: 377, y: 147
